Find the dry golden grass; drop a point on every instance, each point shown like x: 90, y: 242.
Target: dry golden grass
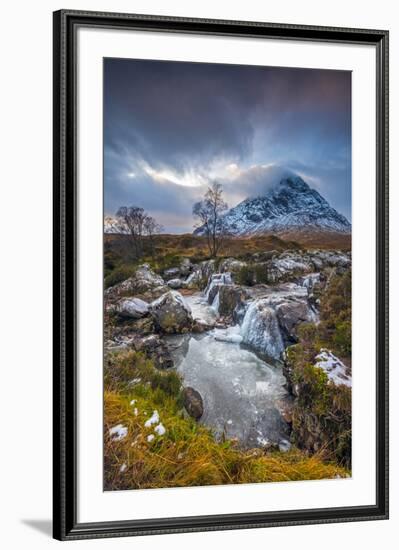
x: 187, y: 454
x: 190, y: 245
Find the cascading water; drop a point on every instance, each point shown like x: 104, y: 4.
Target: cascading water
x: 217, y: 279
x: 215, y: 303
x: 242, y: 394
x: 260, y: 329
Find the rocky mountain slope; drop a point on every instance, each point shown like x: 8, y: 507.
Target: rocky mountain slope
x: 288, y: 205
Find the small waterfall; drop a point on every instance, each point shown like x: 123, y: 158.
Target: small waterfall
x: 260, y: 329
x: 217, y: 279
x: 215, y: 303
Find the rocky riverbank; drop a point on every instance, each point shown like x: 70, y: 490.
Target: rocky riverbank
x: 259, y: 305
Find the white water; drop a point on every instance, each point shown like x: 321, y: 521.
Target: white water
x: 260, y: 329
x: 240, y: 391
x: 218, y: 279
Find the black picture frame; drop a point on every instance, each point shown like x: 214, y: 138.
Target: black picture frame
x: 66, y: 23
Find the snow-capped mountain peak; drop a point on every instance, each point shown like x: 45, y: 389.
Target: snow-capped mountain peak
x: 288, y: 204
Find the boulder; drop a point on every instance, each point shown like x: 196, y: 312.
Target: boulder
x: 193, y: 403
x: 132, y: 308
x: 171, y: 273
x: 155, y: 349
x: 176, y: 283
x: 144, y: 283
x: 290, y: 314
x: 207, y: 268
x: 287, y: 266
x: 231, y: 300
x: 185, y: 267
x: 194, y: 279
x: 214, y: 284
x: 231, y: 265
x: 171, y: 313
x: 145, y: 325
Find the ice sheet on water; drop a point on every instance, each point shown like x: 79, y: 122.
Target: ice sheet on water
x: 230, y: 334
x: 235, y: 385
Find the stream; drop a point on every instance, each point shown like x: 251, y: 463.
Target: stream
x: 241, y: 392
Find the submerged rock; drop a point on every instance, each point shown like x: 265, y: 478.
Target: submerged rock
x: 171, y: 313
x: 193, y: 403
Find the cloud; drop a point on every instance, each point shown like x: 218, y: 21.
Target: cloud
x: 170, y: 128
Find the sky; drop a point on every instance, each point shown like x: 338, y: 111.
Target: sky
x: 172, y: 128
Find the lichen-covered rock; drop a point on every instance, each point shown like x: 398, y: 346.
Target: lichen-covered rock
x: 290, y: 314
x: 176, y: 283
x: 207, y: 268
x: 171, y: 313
x: 155, y: 349
x: 231, y: 265
x: 185, y: 267
x: 132, y: 308
x: 193, y: 403
x: 232, y: 299
x: 194, y: 279
x: 144, y: 284
x: 214, y: 284
x: 171, y: 273
x: 286, y: 266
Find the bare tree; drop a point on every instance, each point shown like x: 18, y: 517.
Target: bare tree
x: 134, y: 221
x: 209, y: 212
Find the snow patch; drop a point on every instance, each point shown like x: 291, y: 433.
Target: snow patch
x: 118, y: 432
x: 284, y: 446
x: 153, y: 420
x: 334, y: 368
x: 160, y: 429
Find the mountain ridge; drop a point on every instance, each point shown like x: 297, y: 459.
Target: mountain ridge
x: 289, y: 205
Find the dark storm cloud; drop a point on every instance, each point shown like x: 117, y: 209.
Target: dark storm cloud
x: 170, y: 128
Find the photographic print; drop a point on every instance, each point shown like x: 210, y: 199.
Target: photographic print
x: 227, y: 274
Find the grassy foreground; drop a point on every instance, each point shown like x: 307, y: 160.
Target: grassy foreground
x: 138, y: 457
